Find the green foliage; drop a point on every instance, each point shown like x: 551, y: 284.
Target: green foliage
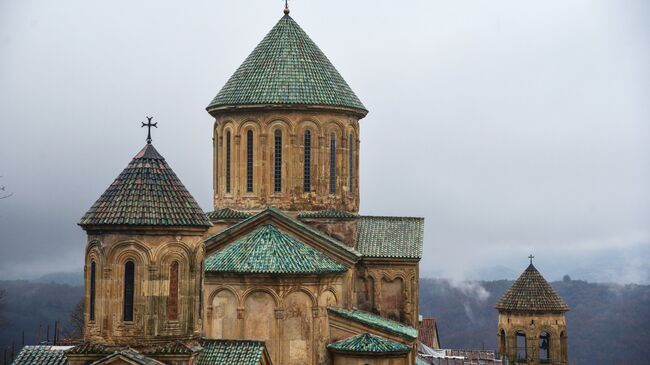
x: 607, y: 323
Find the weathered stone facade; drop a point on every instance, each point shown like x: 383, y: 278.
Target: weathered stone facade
x: 535, y: 328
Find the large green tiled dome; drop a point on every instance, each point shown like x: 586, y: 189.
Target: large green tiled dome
x: 287, y: 68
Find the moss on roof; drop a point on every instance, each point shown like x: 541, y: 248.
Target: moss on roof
x: 288, y: 68
x: 231, y: 352
x: 531, y: 293
x: 327, y: 214
x: 366, y: 343
x: 42, y: 355
x: 268, y: 250
x: 228, y: 214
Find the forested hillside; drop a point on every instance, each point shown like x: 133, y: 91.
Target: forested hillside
x: 607, y: 323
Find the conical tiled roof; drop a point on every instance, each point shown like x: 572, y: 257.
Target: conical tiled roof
x: 287, y: 67
x: 146, y: 193
x: 531, y: 293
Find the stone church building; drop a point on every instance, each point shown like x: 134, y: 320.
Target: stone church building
x: 284, y: 270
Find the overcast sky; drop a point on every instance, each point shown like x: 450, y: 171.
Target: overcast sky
x: 512, y: 127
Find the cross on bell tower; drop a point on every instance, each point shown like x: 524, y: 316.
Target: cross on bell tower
x: 531, y: 257
x: 149, y: 125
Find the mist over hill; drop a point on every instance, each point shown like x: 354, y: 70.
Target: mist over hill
x: 608, y: 323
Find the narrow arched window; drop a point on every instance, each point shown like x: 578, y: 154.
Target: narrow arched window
x: 350, y: 161
x: 129, y: 287
x: 216, y: 162
x: 92, y: 291
x: 563, y: 346
x: 249, y: 161
x: 544, y: 347
x: 502, y: 342
x: 172, y: 300
x: 522, y: 351
x: 228, y: 162
x: 307, y: 163
x: 332, y: 163
x: 277, y: 162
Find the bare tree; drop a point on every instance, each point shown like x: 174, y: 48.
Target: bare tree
x: 3, y: 297
x: 76, y: 320
x: 3, y: 193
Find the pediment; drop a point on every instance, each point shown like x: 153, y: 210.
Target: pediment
x: 331, y: 248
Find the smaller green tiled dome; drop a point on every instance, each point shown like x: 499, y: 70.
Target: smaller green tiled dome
x: 287, y: 68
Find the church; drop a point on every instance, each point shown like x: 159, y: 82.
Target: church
x: 284, y: 270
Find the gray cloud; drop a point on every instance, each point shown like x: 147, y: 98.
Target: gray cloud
x: 511, y: 127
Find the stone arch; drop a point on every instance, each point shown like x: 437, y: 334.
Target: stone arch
x: 285, y: 156
x: 503, y: 347
x: 273, y: 294
x: 393, y: 296
x: 132, y: 247
x: 328, y: 298
x: 260, y: 320
x: 227, y: 167
x: 521, y: 339
x: 313, y: 125
x: 365, y: 292
x: 297, y: 328
x: 223, y: 320
x: 310, y: 295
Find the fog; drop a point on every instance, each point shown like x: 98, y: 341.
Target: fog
x: 512, y: 127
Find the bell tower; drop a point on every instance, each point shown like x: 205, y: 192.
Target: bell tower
x: 286, y: 129
x: 532, y: 325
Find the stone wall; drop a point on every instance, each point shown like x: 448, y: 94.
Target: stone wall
x: 532, y: 326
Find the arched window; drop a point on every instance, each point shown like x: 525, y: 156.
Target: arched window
x: 172, y: 300
x: 350, y: 162
x: 563, y: 346
x: 277, y: 162
x: 502, y: 343
x: 129, y: 286
x: 333, y: 163
x: 521, y: 346
x: 228, y: 162
x: 307, y: 163
x: 92, y: 290
x: 249, y: 161
x: 544, y: 347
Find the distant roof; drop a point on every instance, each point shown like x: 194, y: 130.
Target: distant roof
x: 268, y: 250
x: 288, y: 68
x: 531, y: 293
x: 329, y: 213
x: 428, y: 333
x: 373, y: 320
x: 228, y: 214
x: 146, y: 193
x: 42, y: 355
x: 390, y: 237
x: 231, y: 352
x: 366, y: 343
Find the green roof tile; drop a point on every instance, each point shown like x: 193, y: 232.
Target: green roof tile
x: 373, y: 320
x: 531, y: 293
x: 42, y: 355
x: 267, y: 250
x: 366, y: 343
x: 231, y: 352
x: 390, y: 237
x: 288, y: 68
x: 327, y: 214
x: 146, y: 193
x: 228, y: 214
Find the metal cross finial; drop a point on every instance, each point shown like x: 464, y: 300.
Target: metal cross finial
x: 531, y: 257
x: 149, y: 125
x: 286, y: 7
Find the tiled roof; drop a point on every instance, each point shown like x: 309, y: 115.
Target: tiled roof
x: 174, y: 348
x: 42, y: 355
x: 268, y: 250
x: 287, y: 68
x: 428, y: 333
x: 146, y: 193
x: 390, y: 237
x: 367, y: 343
x: 531, y: 293
x: 130, y: 354
x: 231, y: 352
x: 228, y: 213
x: 90, y: 348
x: 329, y: 213
x: 373, y: 320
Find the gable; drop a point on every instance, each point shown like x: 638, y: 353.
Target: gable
x: 334, y: 250
x: 372, y: 322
